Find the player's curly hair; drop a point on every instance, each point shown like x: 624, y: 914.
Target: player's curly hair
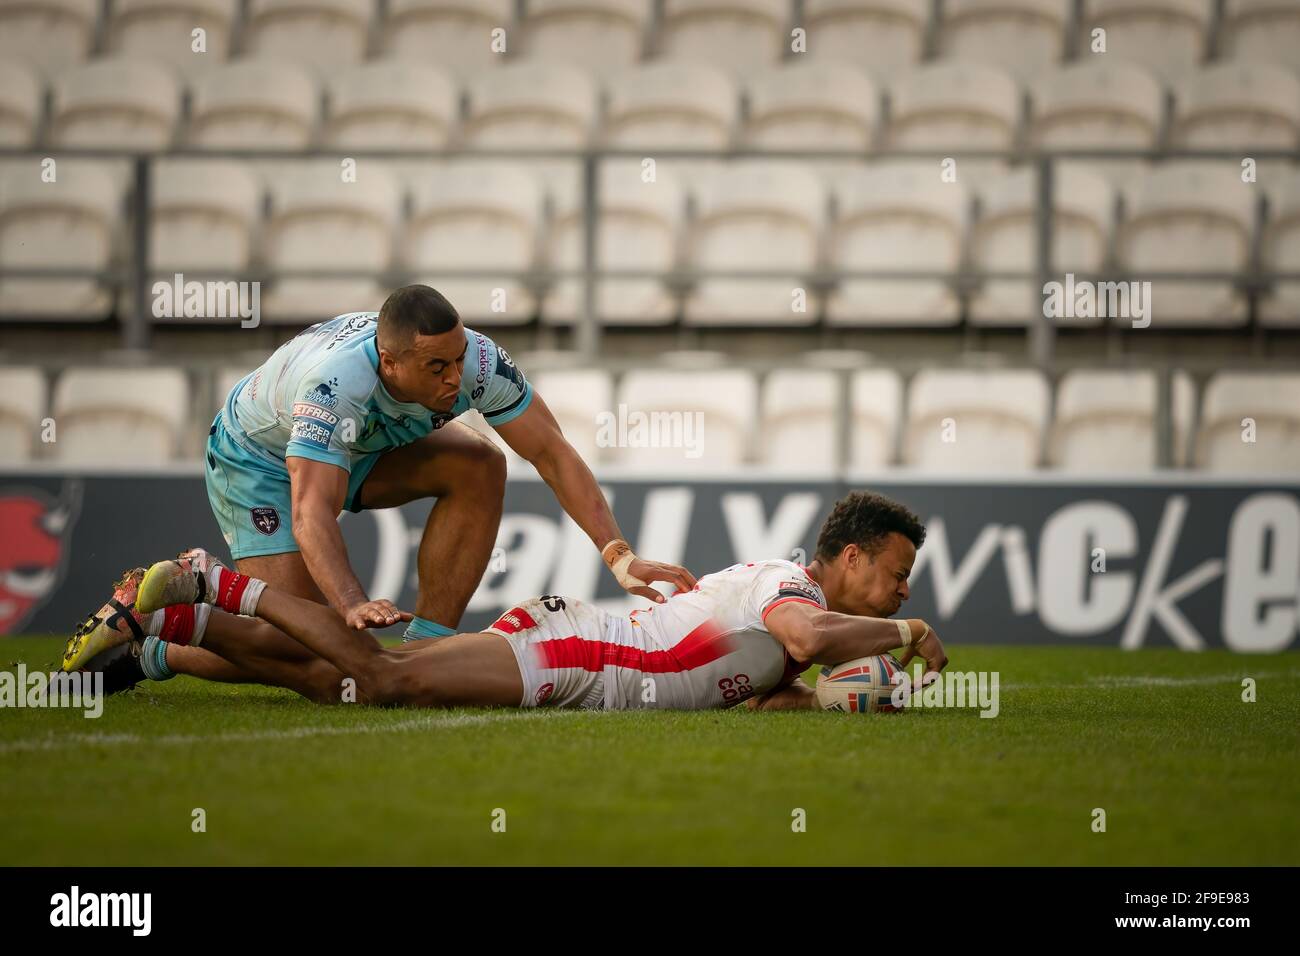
x: 414, y: 310
x: 865, y: 518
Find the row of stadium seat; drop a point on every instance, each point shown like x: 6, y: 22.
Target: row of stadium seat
x: 262, y: 104
x: 1170, y: 36
x: 232, y: 219
x: 954, y: 421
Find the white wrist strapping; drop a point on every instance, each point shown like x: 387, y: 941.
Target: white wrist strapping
x: 905, y: 633
x: 621, y: 564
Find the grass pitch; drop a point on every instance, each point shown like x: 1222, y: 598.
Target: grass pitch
x: 1186, y: 771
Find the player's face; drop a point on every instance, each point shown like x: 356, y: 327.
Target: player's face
x: 877, y: 584
x: 428, y: 372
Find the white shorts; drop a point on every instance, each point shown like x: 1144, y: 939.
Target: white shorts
x: 552, y: 639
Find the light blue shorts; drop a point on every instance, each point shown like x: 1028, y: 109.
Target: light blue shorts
x: 250, y: 495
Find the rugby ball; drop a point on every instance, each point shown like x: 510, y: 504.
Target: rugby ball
x: 862, y: 686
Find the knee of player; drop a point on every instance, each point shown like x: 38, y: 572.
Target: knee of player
x: 483, y: 465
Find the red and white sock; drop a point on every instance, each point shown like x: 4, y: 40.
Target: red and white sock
x: 232, y: 591
x: 180, y: 623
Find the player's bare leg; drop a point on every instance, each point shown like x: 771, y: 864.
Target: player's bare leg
x: 260, y: 649
x: 467, y: 474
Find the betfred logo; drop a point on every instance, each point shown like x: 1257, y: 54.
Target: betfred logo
x: 34, y: 532
x: 544, y: 693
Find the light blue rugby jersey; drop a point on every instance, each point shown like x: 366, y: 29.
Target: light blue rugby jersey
x: 300, y: 401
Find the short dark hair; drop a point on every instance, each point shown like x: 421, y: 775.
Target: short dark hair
x: 865, y: 518
x: 414, y: 310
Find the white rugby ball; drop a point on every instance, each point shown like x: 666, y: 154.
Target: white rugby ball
x: 862, y: 686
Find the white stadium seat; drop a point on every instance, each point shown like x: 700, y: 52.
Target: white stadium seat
x: 897, y: 216
x: 391, y: 105
x: 636, y: 229
x: 1164, y: 36
x: 1096, y: 104
x: 20, y: 105
x: 49, y: 35
x: 318, y: 35
x: 755, y: 216
x: 883, y: 36
x: 1005, y: 239
x: 476, y: 215
x: 320, y: 222
x: 602, y: 35
x: 203, y: 214
x: 162, y: 31
x: 530, y: 106
x: 670, y: 106
x: 1107, y: 421
x: 708, y: 423
x: 1261, y: 31
x: 968, y: 421
x: 1281, y: 252
x: 743, y: 36
x: 1271, y: 401
x: 115, y: 104
x: 812, y: 106
x: 876, y: 403
x: 1189, y: 217
x: 70, y: 223
x: 1238, y: 106
x: 575, y: 397
x: 22, y: 406
x: 954, y: 106
x: 799, y: 426
x: 453, y: 35
x: 252, y: 105
x: 119, y: 416
x: 1024, y: 36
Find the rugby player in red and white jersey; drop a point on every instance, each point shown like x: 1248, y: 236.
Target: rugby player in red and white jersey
x: 741, y: 634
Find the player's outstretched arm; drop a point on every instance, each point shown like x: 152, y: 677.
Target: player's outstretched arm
x: 794, y: 696
x: 819, y: 636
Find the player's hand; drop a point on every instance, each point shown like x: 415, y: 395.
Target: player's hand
x: 649, y: 571
x: 375, y: 614
x: 928, y: 647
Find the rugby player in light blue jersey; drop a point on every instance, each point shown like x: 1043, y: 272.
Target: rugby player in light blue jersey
x: 358, y: 413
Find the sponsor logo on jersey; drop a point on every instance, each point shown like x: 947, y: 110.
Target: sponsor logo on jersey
x: 323, y: 394
x: 352, y: 326
x: 799, y: 589
x: 311, y: 433
x: 265, y: 520
x: 311, y: 410
x: 507, y: 369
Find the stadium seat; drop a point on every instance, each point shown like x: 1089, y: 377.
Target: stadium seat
x: 530, y: 106
x: 70, y: 223
x: 883, y: 36
x: 742, y: 36
x: 1238, y: 106
x: 1026, y: 37
x: 1095, y: 104
x: 975, y: 421
x: 755, y: 216
x: 115, y: 104
x: 21, y: 105
x: 320, y: 222
x: 1189, y: 217
x: 637, y: 229
x: 22, y: 406
x: 1272, y: 402
x: 875, y: 401
x: 954, y: 106
x: 253, y: 105
x: 707, y: 427
x: 1281, y: 252
x: 602, y: 35
x: 896, y: 216
x: 1261, y: 31
x: 812, y: 106
x: 480, y: 216
x: 48, y: 36
x: 1167, y: 37
x: 161, y: 31
x: 453, y: 35
x: 119, y: 416
x: 318, y: 35
x: 670, y: 106
x: 799, y: 429
x: 391, y: 105
x: 1005, y: 240
x: 576, y: 397
x: 204, y: 214
x: 1107, y: 421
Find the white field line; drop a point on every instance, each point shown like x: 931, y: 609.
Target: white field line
x: 1142, y: 680
x: 426, y: 722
